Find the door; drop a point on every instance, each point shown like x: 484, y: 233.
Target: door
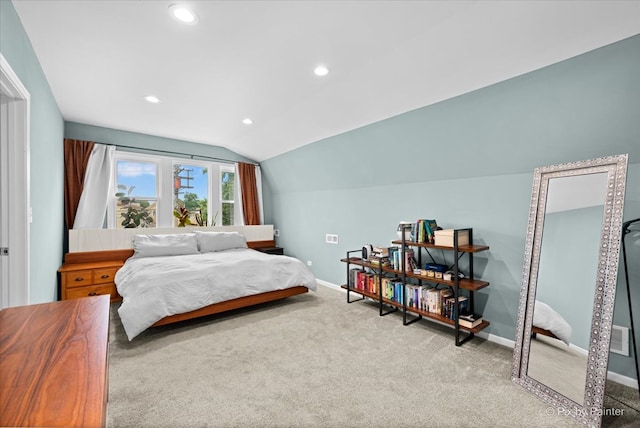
x: 4, y: 196
x: 14, y: 188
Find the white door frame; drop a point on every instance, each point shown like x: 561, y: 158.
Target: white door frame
x: 16, y: 291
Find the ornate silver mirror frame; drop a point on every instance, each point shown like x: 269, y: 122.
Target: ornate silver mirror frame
x: 589, y: 411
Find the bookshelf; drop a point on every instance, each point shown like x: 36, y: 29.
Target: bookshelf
x: 458, y: 286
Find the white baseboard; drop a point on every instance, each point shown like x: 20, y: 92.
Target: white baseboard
x: 624, y: 380
x: 497, y: 339
x: 616, y: 377
x: 330, y: 285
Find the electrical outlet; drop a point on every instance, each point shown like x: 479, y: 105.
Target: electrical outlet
x: 309, y: 263
x: 330, y: 239
x: 276, y: 232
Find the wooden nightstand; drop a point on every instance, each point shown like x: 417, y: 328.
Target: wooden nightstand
x: 89, y: 279
x: 272, y: 250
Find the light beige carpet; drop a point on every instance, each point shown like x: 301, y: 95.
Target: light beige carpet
x: 556, y: 365
x: 315, y: 361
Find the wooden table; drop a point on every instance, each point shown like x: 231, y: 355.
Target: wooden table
x: 54, y: 364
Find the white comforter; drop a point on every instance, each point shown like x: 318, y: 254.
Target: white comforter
x: 155, y: 287
x: 547, y: 318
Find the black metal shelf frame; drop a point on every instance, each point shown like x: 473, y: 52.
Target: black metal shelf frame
x: 460, y: 336
x: 378, y: 272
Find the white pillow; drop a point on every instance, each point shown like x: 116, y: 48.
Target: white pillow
x: 220, y: 241
x: 165, y: 245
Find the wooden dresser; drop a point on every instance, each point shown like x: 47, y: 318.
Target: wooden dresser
x: 54, y: 364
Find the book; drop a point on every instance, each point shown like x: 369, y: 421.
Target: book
x: 410, y: 262
x: 433, y: 300
x: 431, y: 226
x: 470, y: 320
x: 448, y: 307
x: 445, y: 293
x: 353, y: 277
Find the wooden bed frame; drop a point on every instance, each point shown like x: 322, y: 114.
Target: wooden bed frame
x: 537, y: 330
x: 241, y: 302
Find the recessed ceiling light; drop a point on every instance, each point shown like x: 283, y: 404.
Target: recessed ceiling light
x: 247, y: 121
x: 152, y: 99
x: 183, y: 14
x: 321, y: 70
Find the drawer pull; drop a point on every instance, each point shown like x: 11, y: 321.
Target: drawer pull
x: 93, y: 293
x: 79, y: 279
x: 104, y: 276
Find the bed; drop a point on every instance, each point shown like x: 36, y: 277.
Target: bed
x: 548, y: 322
x: 170, y: 278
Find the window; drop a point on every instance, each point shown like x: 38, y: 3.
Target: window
x: 137, y: 194
x: 160, y: 191
x: 190, y: 195
x: 227, y: 192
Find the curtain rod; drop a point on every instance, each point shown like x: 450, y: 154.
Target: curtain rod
x: 193, y: 157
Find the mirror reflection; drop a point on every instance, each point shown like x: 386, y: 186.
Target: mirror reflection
x: 566, y: 281
x: 568, y: 288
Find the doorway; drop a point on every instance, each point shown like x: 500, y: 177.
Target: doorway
x: 15, y: 211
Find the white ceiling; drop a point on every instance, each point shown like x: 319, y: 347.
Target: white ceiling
x: 256, y: 59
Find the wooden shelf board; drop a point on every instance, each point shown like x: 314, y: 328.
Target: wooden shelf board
x: 424, y: 314
x: 465, y: 283
x: 359, y: 262
x: 461, y: 248
x: 360, y: 291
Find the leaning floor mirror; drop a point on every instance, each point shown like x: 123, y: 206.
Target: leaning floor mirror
x: 568, y: 285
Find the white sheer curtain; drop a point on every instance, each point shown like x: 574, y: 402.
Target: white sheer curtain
x: 259, y: 185
x: 95, y: 194
x: 238, y: 209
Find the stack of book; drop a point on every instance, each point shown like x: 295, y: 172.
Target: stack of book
x: 435, y: 299
x: 470, y: 320
x: 416, y: 296
x: 359, y: 279
x: 395, y: 259
x: 423, y: 231
x: 448, y: 309
x: 392, y: 289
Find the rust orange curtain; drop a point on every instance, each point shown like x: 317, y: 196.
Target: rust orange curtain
x: 76, y: 158
x: 249, y: 189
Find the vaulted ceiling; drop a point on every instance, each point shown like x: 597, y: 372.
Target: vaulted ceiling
x: 255, y: 59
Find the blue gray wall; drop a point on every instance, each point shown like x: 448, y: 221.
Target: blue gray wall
x: 467, y: 162
x: 147, y: 143
x: 46, y: 134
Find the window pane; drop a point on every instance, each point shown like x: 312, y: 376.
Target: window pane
x: 139, y: 177
x: 136, y: 197
x: 133, y: 212
x: 190, y: 190
x: 227, y: 186
x: 227, y: 179
x: 227, y: 214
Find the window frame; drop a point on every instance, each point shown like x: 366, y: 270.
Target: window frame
x: 164, y: 186
x: 227, y: 169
